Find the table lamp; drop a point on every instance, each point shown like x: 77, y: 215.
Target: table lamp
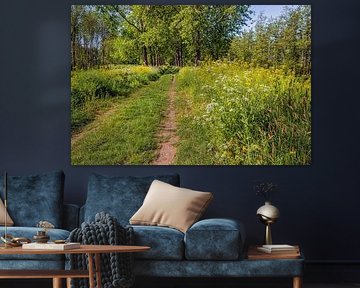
x: 268, y: 214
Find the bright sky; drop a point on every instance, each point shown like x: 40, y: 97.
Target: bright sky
x: 268, y: 11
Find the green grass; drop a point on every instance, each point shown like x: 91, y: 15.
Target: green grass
x: 127, y: 134
x: 193, y: 137
x: 230, y: 114
x: 91, y: 89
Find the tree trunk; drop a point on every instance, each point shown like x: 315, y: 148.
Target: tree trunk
x: 178, y: 56
x: 145, y: 56
x: 181, y: 60
x: 153, y: 57
x: 73, y: 49
x: 197, y: 48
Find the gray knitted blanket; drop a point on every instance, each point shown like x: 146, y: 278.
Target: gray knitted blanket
x: 116, y: 268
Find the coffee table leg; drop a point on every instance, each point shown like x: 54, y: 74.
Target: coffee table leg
x: 57, y: 283
x: 68, y: 282
x: 297, y: 282
x: 98, y: 270
x: 91, y: 270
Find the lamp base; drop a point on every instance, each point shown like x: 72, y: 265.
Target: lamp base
x: 268, y: 238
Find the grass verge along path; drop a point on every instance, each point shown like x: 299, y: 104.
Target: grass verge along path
x: 128, y: 134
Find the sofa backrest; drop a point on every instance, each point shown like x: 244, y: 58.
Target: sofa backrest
x: 35, y: 198
x: 119, y: 196
x: 70, y: 216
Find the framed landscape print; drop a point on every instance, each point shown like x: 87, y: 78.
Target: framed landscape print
x: 190, y: 85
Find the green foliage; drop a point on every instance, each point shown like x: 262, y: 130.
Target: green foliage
x: 127, y: 133
x: 244, y: 115
x: 87, y: 87
x: 152, y: 34
x: 91, y: 28
x: 123, y: 51
x: 167, y: 69
x: 181, y: 35
x: 283, y: 42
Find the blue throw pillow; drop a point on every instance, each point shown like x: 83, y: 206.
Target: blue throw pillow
x: 35, y: 198
x: 119, y: 196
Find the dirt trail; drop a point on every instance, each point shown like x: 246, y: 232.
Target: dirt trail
x: 167, y: 134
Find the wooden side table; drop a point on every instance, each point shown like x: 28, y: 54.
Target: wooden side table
x: 255, y: 255
x: 92, y: 251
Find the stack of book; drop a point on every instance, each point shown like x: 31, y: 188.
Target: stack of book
x: 270, y: 249
x: 274, y: 252
x: 51, y: 246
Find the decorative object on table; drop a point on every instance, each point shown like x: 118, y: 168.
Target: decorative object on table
x: 45, y: 224
x: 41, y: 237
x: 255, y: 254
x: 11, y: 241
x: 60, y: 241
x: 117, y: 268
x: 268, y: 213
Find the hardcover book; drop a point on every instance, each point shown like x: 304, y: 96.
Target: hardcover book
x: 255, y: 254
x: 51, y: 246
x: 277, y: 249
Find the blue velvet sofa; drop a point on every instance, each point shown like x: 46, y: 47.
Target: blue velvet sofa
x: 32, y: 199
x: 210, y: 248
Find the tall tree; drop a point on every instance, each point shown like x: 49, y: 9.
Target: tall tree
x: 158, y: 34
x: 282, y: 42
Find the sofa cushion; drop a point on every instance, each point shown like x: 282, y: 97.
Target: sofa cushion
x: 214, y: 239
x: 35, y: 198
x: 39, y: 264
x: 119, y: 196
x: 170, y: 206
x: 29, y: 232
x: 165, y: 243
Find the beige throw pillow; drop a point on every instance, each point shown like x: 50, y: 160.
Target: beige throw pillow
x: 9, y: 221
x: 170, y: 206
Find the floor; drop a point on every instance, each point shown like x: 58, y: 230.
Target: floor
x: 239, y: 283
x: 47, y: 284
x: 344, y: 285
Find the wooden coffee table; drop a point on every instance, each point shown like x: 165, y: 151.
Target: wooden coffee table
x: 92, y: 251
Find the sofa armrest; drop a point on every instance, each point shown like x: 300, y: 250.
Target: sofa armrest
x: 70, y: 216
x: 215, y: 239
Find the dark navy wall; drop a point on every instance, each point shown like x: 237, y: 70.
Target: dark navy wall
x: 318, y: 203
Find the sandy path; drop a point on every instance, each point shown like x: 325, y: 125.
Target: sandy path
x: 167, y: 134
